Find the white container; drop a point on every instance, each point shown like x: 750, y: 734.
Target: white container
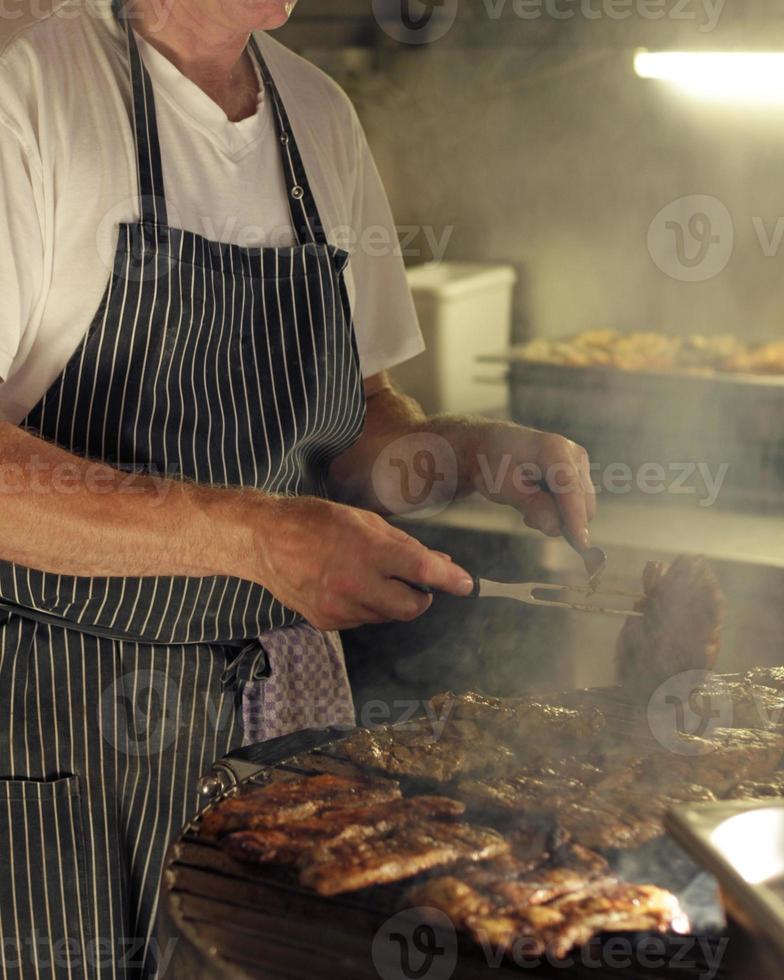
x: 465, y: 310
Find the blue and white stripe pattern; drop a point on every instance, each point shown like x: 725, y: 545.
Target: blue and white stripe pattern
x: 218, y: 364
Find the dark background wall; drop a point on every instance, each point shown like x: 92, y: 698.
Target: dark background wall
x: 531, y: 141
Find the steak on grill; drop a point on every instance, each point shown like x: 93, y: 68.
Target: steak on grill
x: 402, y: 854
x: 291, y: 844
x: 531, y: 727
x: 752, y: 705
x: 549, y: 909
x: 727, y: 757
x: 415, y: 750
x: 518, y: 794
x: 680, y: 628
x: 283, y: 801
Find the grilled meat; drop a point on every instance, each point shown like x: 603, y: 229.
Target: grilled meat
x: 452, y: 896
x: 611, y: 907
x: 770, y: 677
x: 534, y: 842
x: 540, y: 888
x: 402, y: 854
x: 532, y: 728
x: 577, y: 857
x: 750, y: 705
x: 414, y: 750
x: 479, y: 736
x: 597, y: 823
x: 729, y: 756
x: 623, y: 819
x: 548, y: 910
x: 768, y: 788
x: 518, y: 794
x: 290, y: 844
x: 680, y: 629
x: 281, y: 802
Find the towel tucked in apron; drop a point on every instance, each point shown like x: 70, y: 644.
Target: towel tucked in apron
x: 297, y: 680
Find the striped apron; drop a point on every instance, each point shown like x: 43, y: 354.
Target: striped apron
x: 223, y: 365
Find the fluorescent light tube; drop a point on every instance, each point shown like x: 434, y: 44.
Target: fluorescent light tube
x: 725, y: 76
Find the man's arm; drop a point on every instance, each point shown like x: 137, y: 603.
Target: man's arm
x: 65, y: 514
x: 336, y: 565
x: 544, y: 476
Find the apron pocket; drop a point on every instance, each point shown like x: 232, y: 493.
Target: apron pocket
x: 44, y: 917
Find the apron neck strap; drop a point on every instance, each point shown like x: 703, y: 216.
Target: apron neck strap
x: 305, y: 217
x: 149, y: 168
x: 302, y: 205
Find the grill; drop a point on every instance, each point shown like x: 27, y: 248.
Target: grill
x: 233, y: 921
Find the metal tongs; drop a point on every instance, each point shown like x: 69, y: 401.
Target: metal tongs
x: 525, y: 592
x: 595, y: 561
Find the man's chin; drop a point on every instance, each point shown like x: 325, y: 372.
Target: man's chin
x: 271, y: 16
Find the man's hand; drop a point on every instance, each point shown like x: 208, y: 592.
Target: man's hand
x: 342, y: 567
x: 544, y: 476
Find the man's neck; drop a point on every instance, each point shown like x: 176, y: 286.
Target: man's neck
x: 212, y: 56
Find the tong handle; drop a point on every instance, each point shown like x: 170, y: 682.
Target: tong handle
x: 429, y: 590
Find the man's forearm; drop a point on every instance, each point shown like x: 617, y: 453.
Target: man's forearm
x: 405, y: 461
x: 448, y: 442
x: 61, y: 513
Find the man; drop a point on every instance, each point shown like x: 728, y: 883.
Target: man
x: 191, y: 422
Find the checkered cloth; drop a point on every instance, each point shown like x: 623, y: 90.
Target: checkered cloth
x: 305, y: 685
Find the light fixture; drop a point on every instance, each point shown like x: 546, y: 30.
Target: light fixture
x: 725, y: 76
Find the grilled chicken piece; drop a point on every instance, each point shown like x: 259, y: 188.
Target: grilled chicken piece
x: 290, y: 844
x: 282, y: 802
x: 612, y: 907
x: 680, y: 629
x: 416, y: 750
x: 551, y: 910
x: 402, y: 854
x: 452, y: 896
x: 540, y: 888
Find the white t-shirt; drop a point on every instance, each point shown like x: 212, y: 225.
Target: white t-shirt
x: 68, y: 178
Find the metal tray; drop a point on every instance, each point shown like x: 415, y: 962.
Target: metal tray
x: 742, y: 844
x: 641, y: 417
